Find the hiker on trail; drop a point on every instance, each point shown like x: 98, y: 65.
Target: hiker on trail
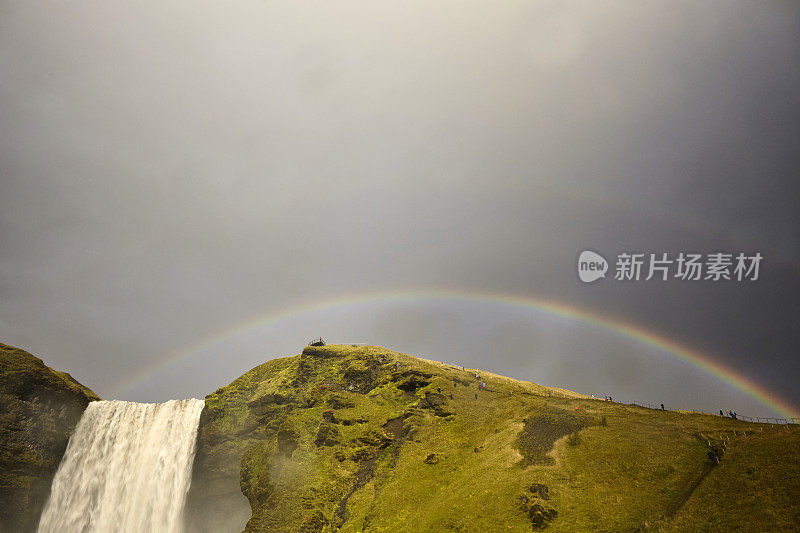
x: 720, y: 413
x: 662, y: 406
x: 733, y: 414
x: 610, y: 399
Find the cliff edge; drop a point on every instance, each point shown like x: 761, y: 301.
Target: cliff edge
x: 361, y: 438
x: 39, y: 408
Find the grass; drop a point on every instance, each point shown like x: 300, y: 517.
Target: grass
x: 15, y: 362
x: 603, y: 466
x: 754, y: 488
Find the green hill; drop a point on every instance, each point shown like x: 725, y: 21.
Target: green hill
x: 360, y: 438
x: 39, y: 408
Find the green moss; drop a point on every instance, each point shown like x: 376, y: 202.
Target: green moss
x: 497, y: 453
x: 16, y: 362
x: 39, y: 408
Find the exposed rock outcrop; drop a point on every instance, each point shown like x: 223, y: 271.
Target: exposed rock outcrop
x: 39, y: 408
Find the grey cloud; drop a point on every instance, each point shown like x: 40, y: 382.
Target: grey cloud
x: 172, y: 169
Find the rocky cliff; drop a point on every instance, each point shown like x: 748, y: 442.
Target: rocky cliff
x: 39, y: 408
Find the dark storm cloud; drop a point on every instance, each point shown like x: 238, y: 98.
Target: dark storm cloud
x: 171, y: 169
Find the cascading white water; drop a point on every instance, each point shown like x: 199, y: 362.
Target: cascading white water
x: 127, y: 469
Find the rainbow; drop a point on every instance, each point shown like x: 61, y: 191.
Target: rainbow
x: 704, y: 362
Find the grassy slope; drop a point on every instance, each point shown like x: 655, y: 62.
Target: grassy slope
x: 628, y: 468
x: 756, y: 487
x: 14, y: 361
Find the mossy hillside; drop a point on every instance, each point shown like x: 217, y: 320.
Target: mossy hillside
x: 23, y: 374
x: 755, y: 487
x: 357, y: 438
x: 234, y: 418
x: 39, y: 408
x: 241, y: 423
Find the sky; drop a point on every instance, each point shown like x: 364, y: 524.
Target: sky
x: 171, y: 171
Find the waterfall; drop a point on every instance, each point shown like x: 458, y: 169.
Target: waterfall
x: 127, y: 469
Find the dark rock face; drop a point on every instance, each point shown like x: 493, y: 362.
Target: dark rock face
x: 435, y: 402
x: 541, y: 490
x: 535, y: 508
x: 287, y: 440
x: 431, y: 459
x: 314, y: 522
x: 541, y: 516
x: 327, y: 435
x: 244, y: 440
x: 336, y: 401
x: 375, y: 438
x: 432, y: 400
x: 39, y: 408
x: 412, y: 380
x: 221, y: 489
